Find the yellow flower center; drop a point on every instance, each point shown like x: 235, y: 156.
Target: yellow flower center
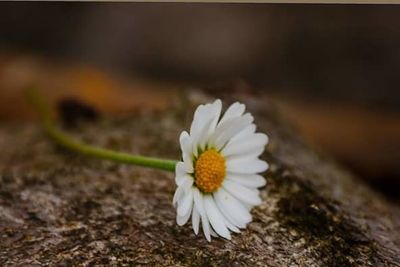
x: 209, y: 171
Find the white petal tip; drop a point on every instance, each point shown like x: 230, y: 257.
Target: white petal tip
x: 264, y: 167
x: 180, y: 223
x: 228, y: 236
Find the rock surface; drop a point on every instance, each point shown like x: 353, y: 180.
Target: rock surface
x: 58, y: 208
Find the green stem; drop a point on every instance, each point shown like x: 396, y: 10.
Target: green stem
x: 67, y: 141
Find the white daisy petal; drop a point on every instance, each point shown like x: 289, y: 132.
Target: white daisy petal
x: 188, y: 165
x: 195, y: 220
x: 180, y: 180
x: 224, y: 126
x: 187, y: 184
x: 186, y: 205
x: 236, y: 125
x: 228, y: 217
x: 234, y: 110
x: 246, y: 165
x: 198, y: 201
x: 250, y: 155
x: 178, y: 195
x: 197, y: 118
x: 213, y: 234
x: 186, y: 144
x: 237, y: 147
x: 248, y: 206
x: 181, y: 220
x: 253, y: 154
x: 204, y: 124
x: 231, y: 226
x: 245, y: 134
x: 215, y: 217
x: 248, y: 180
x: 181, y: 190
x: 216, y: 113
x: 201, y: 141
x: 206, y: 226
x: 242, y: 193
x: 181, y: 171
x: 200, y: 117
x: 233, y: 207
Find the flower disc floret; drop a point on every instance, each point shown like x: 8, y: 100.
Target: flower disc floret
x: 209, y: 171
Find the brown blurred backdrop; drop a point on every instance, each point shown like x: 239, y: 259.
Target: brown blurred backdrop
x: 332, y: 69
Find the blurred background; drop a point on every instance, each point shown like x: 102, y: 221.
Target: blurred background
x: 333, y: 70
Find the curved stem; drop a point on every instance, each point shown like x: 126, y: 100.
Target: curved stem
x: 69, y: 142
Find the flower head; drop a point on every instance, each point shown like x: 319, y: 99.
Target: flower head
x: 218, y: 176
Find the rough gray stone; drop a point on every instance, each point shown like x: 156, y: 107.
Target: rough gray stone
x: 58, y: 208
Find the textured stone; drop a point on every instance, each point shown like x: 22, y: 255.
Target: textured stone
x: 58, y: 208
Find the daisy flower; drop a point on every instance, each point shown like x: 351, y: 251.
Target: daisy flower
x: 218, y: 176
